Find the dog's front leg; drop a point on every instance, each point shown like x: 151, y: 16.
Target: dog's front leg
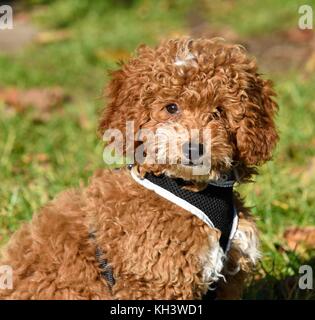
x: 241, y: 258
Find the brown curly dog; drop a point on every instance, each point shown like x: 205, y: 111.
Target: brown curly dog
x: 117, y: 239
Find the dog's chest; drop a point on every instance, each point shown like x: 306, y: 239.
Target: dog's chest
x: 152, y: 240
x: 164, y: 238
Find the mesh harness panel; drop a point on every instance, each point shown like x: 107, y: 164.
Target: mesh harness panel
x: 216, y: 201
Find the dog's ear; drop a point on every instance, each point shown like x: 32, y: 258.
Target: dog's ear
x: 113, y: 115
x: 123, y: 102
x: 256, y: 135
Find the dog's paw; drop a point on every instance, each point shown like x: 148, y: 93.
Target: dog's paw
x: 247, y: 242
x: 244, y: 250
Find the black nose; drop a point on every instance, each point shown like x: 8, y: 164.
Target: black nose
x: 192, y: 151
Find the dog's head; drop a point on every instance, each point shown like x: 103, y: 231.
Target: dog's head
x: 204, y: 103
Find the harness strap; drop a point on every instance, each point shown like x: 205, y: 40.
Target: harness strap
x: 106, y: 269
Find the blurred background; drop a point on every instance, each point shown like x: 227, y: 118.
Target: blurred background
x: 53, y: 68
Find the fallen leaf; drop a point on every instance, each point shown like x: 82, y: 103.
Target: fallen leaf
x: 45, y: 37
x: 257, y: 190
x: 297, y: 35
x: 280, y: 204
x: 41, y: 158
x: 112, y: 54
x: 310, y: 63
x: 300, y: 236
x: 84, y: 122
x: 41, y: 100
x: 309, y: 172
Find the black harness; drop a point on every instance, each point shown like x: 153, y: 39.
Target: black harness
x: 215, y: 202
x: 214, y: 205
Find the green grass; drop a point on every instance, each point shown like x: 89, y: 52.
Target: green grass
x: 255, y: 17
x: 101, y: 34
x: 283, y: 194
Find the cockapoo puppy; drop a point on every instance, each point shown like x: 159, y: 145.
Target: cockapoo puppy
x: 168, y: 227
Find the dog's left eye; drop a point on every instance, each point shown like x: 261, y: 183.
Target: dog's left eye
x: 172, y: 108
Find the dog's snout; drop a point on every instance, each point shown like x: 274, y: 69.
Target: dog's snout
x: 193, y: 151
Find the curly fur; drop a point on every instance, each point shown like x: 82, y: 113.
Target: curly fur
x: 156, y: 249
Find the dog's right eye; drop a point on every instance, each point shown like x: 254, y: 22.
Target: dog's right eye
x: 172, y: 108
